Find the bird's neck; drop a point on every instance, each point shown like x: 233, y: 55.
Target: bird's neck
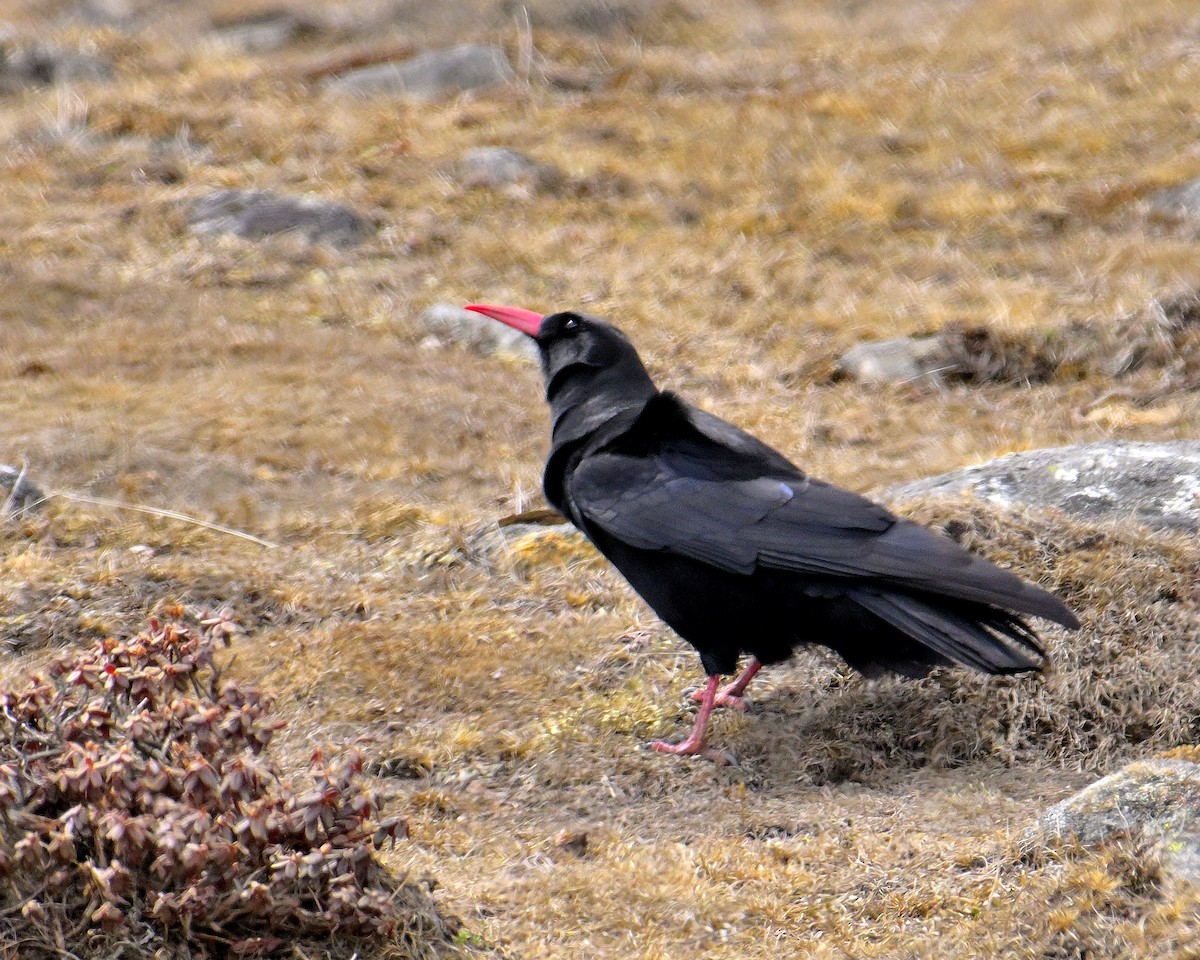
x: 586, y: 405
x: 583, y: 399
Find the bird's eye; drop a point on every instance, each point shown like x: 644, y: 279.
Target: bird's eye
x: 571, y: 323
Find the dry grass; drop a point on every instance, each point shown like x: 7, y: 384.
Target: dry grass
x: 748, y: 189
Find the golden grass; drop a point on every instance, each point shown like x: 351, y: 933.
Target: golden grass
x: 751, y: 189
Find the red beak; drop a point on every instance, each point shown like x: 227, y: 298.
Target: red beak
x: 524, y: 320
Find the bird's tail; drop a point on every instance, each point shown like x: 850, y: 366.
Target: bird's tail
x: 975, y: 635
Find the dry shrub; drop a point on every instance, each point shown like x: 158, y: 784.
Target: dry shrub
x: 979, y: 354
x: 142, y: 816
x: 1126, y: 683
x: 1117, y: 902
x: 1164, y: 335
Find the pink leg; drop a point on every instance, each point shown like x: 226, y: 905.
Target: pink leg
x: 731, y: 696
x: 694, y: 744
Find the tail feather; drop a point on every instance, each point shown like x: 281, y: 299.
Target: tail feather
x: 988, y: 639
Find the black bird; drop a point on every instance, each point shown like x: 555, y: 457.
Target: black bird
x: 740, y: 551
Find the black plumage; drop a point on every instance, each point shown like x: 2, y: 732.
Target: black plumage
x: 741, y: 552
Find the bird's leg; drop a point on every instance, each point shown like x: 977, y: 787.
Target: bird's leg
x: 731, y: 696
x: 694, y: 744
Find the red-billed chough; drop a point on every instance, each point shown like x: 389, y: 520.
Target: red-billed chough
x: 740, y: 551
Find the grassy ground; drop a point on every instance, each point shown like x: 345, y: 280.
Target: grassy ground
x: 750, y: 189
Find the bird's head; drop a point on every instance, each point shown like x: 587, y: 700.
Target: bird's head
x: 582, y: 356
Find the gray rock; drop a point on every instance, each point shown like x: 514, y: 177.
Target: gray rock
x: 1157, y: 484
x: 42, y: 66
x: 450, y: 324
x: 18, y: 494
x: 255, y: 214
x: 264, y: 32
x: 1178, y: 201
x: 590, y: 16
x: 1182, y: 855
x: 1157, y: 799
x: 430, y: 75
x: 893, y: 361
x: 501, y: 166
x: 115, y: 12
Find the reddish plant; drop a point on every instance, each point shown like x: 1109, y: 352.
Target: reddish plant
x: 138, y: 807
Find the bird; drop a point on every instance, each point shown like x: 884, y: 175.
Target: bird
x: 740, y: 551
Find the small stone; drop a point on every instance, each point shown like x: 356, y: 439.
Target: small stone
x: 115, y: 12
x: 450, y: 324
x: 500, y: 166
x: 1160, y: 794
x: 1182, y: 201
x: 430, y: 75
x: 255, y: 214
x: 265, y: 31
x: 597, y: 17
x: 902, y: 360
x: 40, y: 65
x: 18, y: 494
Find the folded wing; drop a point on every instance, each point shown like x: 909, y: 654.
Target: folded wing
x: 682, y: 481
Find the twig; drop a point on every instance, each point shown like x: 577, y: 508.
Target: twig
x: 342, y: 61
x: 159, y: 512
x: 524, y: 45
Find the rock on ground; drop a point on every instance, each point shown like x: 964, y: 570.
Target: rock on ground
x: 1159, y: 799
x: 264, y: 31
x: 501, y: 166
x: 892, y: 361
x: 1178, y: 201
x: 40, y: 65
x: 429, y: 75
x: 18, y: 494
x: 1156, y: 484
x: 255, y: 214
x: 450, y: 324
x: 599, y: 17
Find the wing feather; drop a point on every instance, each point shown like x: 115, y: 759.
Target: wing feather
x: 670, y: 485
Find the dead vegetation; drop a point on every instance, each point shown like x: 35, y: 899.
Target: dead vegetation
x: 141, y: 816
x: 749, y: 189
x: 1163, y: 338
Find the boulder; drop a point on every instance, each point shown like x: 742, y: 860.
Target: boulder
x: 901, y: 360
x: 1155, y: 484
x: 255, y: 214
x: 264, y: 31
x: 1157, y: 799
x: 430, y: 75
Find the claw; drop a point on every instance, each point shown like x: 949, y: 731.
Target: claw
x: 692, y: 748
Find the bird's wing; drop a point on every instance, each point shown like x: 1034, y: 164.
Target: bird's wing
x: 706, y: 490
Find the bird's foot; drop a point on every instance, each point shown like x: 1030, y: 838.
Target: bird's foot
x: 724, y: 698
x: 692, y: 748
